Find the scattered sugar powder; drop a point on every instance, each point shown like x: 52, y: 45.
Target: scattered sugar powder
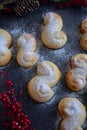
x: 45, y: 69
x: 16, y: 31
x: 73, y: 107
x: 60, y: 57
x: 59, y: 52
x: 43, y: 89
x: 28, y: 43
x: 53, y: 24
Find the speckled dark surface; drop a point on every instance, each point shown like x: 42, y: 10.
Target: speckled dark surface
x: 44, y: 116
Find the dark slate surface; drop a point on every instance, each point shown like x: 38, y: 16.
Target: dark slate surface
x: 44, y: 116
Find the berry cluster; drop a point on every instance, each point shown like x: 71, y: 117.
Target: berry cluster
x: 15, y: 118
x: 5, y: 9
x: 75, y: 3
x: 10, y: 8
x: 67, y: 3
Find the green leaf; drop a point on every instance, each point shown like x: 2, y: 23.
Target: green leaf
x: 1, y: 7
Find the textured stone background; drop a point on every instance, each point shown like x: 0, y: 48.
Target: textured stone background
x: 44, y: 116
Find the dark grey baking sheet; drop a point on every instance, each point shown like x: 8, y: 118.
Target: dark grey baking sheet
x: 44, y: 116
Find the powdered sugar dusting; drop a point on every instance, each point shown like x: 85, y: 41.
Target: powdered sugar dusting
x: 16, y: 31
x: 3, y: 50
x: 61, y: 57
x: 53, y: 23
x: 61, y: 51
x: 26, y: 54
x: 73, y: 107
x: 80, y: 61
x: 27, y: 42
x: 45, y: 69
x: 47, y: 77
x: 74, y: 114
x: 43, y: 89
x: 3, y: 40
x: 52, y: 34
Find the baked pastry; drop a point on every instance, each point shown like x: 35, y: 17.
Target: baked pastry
x: 83, y: 41
x: 5, y: 42
x: 73, y: 113
x: 39, y: 87
x: 26, y: 56
x: 76, y: 77
x: 83, y: 26
x: 52, y: 35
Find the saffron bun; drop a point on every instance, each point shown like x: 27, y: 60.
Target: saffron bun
x: 5, y: 43
x: 83, y: 26
x: 40, y: 87
x: 52, y: 35
x: 76, y: 77
x: 26, y: 56
x: 73, y: 113
x: 83, y: 41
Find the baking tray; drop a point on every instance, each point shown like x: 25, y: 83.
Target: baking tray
x: 44, y: 116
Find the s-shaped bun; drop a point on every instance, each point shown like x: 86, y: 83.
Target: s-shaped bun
x: 52, y: 35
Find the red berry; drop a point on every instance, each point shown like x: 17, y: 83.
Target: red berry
x: 5, y: 95
x: 14, y: 100
x: 85, y: 3
x: 23, y: 128
x: 43, y: 1
x: 19, y: 110
x: 19, y: 115
x: 13, y: 108
x: 60, y: 5
x: 11, y: 92
x: 19, y: 127
x: 9, y: 83
x: 0, y: 96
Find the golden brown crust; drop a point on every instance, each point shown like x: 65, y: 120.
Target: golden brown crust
x: 76, y: 77
x: 50, y: 16
x: 26, y: 56
x: 83, y: 26
x: 39, y: 87
x: 83, y: 41
x: 73, y: 113
x: 5, y: 42
x: 79, y: 61
x: 55, y: 41
x: 52, y: 36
